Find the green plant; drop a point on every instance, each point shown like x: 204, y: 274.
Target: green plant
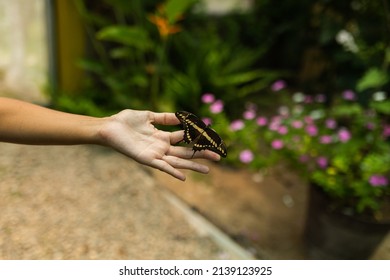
x: 226, y: 69
x: 158, y: 55
x: 127, y: 61
x: 340, y: 144
x: 344, y: 147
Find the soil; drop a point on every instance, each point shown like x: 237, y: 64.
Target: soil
x: 265, y: 213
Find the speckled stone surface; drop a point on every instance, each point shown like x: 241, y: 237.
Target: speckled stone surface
x: 85, y: 202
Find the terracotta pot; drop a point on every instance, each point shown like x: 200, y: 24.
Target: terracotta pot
x: 333, y: 235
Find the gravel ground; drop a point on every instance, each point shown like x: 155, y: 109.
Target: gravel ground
x: 83, y: 202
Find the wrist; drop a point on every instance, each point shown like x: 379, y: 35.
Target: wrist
x: 104, y: 134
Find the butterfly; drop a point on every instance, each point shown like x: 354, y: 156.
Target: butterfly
x: 201, y: 135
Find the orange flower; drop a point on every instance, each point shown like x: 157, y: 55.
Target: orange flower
x: 163, y: 25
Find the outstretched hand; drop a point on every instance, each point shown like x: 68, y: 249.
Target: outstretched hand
x: 133, y: 134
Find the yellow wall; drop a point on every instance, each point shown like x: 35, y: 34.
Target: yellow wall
x: 70, y: 45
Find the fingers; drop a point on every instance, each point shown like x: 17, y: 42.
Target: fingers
x: 177, y: 136
x: 177, y: 157
x: 186, y: 164
x: 206, y: 155
x: 187, y: 153
x: 167, y: 168
x: 164, y: 118
x: 182, y: 152
x: 171, y: 164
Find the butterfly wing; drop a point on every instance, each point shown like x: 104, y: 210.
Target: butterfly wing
x: 202, y: 136
x: 193, y: 126
x: 210, y: 140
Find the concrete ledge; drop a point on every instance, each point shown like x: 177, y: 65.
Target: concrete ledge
x: 206, y: 228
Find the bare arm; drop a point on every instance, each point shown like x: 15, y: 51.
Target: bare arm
x: 130, y: 132
x: 25, y: 123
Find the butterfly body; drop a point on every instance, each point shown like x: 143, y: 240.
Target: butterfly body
x: 201, y: 135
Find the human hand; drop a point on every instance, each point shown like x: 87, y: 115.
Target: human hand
x: 133, y: 134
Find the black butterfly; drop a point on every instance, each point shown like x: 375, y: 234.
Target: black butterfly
x: 201, y: 135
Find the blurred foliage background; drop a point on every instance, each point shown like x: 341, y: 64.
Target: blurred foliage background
x: 166, y: 55
x: 163, y: 55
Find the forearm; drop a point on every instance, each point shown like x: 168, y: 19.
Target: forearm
x: 25, y: 123
x: 130, y: 132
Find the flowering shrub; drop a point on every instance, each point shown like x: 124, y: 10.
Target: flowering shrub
x: 343, y: 148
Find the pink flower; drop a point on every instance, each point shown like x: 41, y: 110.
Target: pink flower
x: 208, y: 98
x: 320, y: 98
x: 237, y: 125
x: 261, y: 121
x: 277, y: 144
x: 386, y: 131
x: 370, y: 126
x: 344, y: 135
x: 283, y: 111
x: 297, y: 124
x: 278, y: 85
x: 207, y: 121
x: 349, y: 95
x: 308, y: 99
x: 330, y: 123
x: 249, y: 114
x: 251, y: 106
x: 297, y: 139
x: 308, y: 120
x: 216, y: 107
x: 378, y: 181
x: 283, y: 130
x: 312, y: 130
x: 322, y: 162
x: 326, y: 139
x: 246, y: 156
x: 304, y: 158
x: 275, y: 123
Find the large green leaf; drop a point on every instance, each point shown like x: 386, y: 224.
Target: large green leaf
x: 382, y: 107
x: 347, y: 110
x: 91, y: 65
x: 376, y: 163
x: 128, y: 35
x: 238, y: 78
x: 373, y: 78
x: 175, y: 8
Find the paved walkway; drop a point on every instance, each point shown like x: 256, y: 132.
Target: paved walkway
x: 85, y: 202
